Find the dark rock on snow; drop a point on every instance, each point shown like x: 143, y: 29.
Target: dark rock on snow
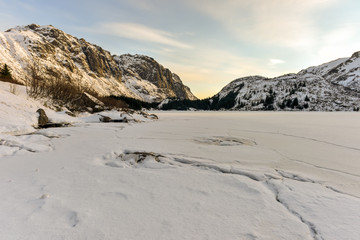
x: 42, y: 119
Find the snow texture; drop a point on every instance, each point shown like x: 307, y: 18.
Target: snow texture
x: 188, y: 175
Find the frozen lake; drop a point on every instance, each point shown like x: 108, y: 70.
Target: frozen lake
x: 188, y: 175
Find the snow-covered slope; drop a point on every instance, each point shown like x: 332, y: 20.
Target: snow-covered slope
x: 333, y: 86
x: 189, y: 175
x: 347, y: 73
x: 58, y: 55
x: 18, y: 112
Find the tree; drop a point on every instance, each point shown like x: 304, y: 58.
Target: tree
x: 295, y: 102
x: 5, y: 72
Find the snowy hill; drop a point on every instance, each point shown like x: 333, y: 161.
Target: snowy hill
x: 58, y: 55
x: 333, y: 86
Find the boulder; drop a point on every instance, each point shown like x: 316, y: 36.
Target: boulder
x: 89, y: 102
x: 43, y: 119
x: 105, y: 119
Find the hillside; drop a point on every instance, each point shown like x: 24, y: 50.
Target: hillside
x: 54, y: 54
x: 333, y: 86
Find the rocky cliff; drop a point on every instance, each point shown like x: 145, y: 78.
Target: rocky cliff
x: 140, y: 68
x: 56, y: 54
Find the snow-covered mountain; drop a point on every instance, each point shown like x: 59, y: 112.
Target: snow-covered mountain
x: 333, y: 86
x: 57, y: 54
x: 140, y: 70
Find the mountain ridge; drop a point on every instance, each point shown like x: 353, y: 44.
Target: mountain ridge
x: 60, y: 55
x: 332, y: 86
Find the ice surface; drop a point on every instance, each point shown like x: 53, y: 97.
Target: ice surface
x: 188, y: 175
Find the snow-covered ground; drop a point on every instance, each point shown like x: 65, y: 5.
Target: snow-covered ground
x: 188, y: 175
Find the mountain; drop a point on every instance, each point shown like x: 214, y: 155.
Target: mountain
x: 56, y: 54
x: 140, y: 68
x: 330, y: 86
x: 333, y: 86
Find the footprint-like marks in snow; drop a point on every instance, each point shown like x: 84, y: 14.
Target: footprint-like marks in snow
x: 225, y: 141
x: 72, y: 218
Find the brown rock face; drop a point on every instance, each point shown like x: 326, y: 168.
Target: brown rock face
x: 148, y: 69
x: 60, y: 56
x: 66, y: 51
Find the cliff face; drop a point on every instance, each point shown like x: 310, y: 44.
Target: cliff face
x: 146, y: 68
x: 57, y: 54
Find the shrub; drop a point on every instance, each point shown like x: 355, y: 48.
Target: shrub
x: 6, y: 76
x: 35, y: 85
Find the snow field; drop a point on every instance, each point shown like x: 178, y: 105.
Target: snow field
x: 188, y: 175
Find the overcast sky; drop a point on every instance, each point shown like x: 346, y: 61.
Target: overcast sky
x: 208, y: 43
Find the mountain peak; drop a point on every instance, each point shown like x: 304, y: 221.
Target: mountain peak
x: 332, y: 86
x: 58, y: 55
x: 33, y: 27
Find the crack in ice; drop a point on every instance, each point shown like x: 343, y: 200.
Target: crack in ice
x: 302, y: 137
x: 314, y: 232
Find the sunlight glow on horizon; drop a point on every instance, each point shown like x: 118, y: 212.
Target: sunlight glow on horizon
x: 206, y: 42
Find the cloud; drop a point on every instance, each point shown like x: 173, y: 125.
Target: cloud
x: 142, y: 33
x: 338, y: 43
x: 288, y: 23
x: 274, y: 61
x: 214, y: 68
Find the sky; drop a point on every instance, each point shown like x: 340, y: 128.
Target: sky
x: 208, y: 43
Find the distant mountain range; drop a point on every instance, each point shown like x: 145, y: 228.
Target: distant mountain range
x: 333, y: 86
x: 59, y: 55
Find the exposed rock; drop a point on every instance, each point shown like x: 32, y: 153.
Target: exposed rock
x: 105, y: 118
x: 109, y: 119
x: 71, y: 114
x: 42, y: 119
x: 146, y: 68
x: 87, y: 101
x: 149, y: 116
x: 57, y: 54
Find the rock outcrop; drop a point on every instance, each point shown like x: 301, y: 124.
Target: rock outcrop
x: 139, y: 68
x: 57, y: 55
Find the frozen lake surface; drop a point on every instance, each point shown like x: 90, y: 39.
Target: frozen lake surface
x: 188, y: 175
